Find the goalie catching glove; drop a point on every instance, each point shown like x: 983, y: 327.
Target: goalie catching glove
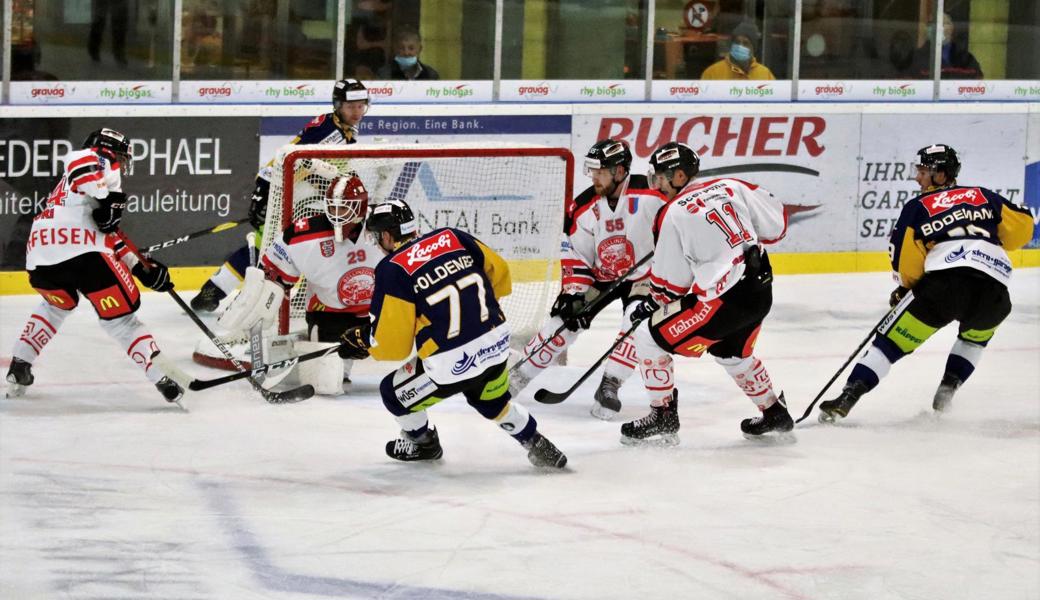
x: 259, y: 300
x: 355, y: 342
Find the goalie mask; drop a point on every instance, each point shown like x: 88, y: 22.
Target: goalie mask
x: 112, y: 145
x: 346, y: 202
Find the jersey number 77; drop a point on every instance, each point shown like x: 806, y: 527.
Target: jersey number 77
x: 451, y: 292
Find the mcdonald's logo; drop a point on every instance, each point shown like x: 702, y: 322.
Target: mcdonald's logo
x: 108, y: 303
x: 55, y: 299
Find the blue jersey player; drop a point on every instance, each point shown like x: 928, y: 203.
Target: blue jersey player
x: 949, y: 253
x: 438, y: 293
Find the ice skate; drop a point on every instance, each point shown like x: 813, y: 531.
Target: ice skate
x: 208, y: 298
x: 543, y: 453
x: 19, y: 377
x: 944, y: 395
x: 170, y: 390
x: 406, y: 448
x: 659, y: 428
x: 774, y: 424
x: 607, y: 405
x: 832, y: 411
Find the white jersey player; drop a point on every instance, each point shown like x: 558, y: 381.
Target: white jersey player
x: 608, y: 231
x: 713, y: 282
x: 72, y: 250
x: 338, y: 260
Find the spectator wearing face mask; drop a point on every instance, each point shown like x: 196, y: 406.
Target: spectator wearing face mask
x: 957, y: 61
x: 740, y: 63
x: 405, y: 64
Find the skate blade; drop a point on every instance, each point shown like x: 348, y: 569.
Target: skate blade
x: 666, y: 440
x: 603, y: 413
x: 830, y: 418
x: 774, y: 438
x: 15, y: 390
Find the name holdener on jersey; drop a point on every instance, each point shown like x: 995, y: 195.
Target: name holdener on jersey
x: 961, y: 214
x: 441, y: 272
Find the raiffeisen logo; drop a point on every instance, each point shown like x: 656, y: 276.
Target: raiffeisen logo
x: 836, y: 90
x: 305, y: 90
x: 538, y: 90
x: 459, y: 91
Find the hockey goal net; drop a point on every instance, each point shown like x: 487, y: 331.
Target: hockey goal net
x: 511, y: 197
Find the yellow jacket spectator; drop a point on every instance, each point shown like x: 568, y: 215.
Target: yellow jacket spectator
x: 740, y: 63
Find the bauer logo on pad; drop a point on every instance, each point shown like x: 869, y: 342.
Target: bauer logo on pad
x: 426, y: 250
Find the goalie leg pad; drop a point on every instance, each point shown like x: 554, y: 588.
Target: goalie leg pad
x: 325, y: 373
x: 259, y: 300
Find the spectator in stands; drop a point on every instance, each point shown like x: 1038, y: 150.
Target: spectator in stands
x: 740, y: 63
x: 957, y: 61
x: 406, y: 64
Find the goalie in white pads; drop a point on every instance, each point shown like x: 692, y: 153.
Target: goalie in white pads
x: 607, y: 233
x: 714, y: 281
x: 72, y: 251
x: 338, y: 260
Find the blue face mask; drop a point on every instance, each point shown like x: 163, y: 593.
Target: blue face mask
x: 740, y: 54
x: 406, y: 62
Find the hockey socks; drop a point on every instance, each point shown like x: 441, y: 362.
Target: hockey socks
x: 139, y: 343
x: 41, y: 327
x: 751, y: 376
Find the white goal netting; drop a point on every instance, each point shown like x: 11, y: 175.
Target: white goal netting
x: 510, y: 197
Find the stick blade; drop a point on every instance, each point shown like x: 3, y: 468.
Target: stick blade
x: 297, y: 394
x: 546, y: 397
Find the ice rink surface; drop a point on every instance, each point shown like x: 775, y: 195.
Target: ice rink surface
x: 107, y: 492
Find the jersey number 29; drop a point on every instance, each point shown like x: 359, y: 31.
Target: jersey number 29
x: 451, y: 292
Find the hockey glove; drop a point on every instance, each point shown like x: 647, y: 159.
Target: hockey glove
x: 258, y: 203
x: 110, y: 213
x: 568, y: 307
x: 156, y: 276
x: 647, y: 307
x: 897, y: 295
x: 355, y: 342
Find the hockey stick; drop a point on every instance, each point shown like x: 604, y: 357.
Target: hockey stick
x: 197, y: 234
x: 546, y: 397
x: 205, y: 384
x: 594, y: 305
x: 852, y: 356
x: 297, y: 394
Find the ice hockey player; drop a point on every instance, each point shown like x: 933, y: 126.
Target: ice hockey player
x: 713, y: 282
x: 72, y: 250
x: 949, y: 255
x: 608, y: 233
x: 439, y: 294
x: 338, y: 260
x: 349, y: 104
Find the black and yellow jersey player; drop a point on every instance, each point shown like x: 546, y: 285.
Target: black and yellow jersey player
x: 438, y: 294
x: 949, y: 252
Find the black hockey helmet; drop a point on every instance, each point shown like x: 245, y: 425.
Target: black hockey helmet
x: 940, y: 157
x: 394, y: 216
x: 348, y: 90
x: 675, y: 156
x: 112, y: 142
x: 608, y: 153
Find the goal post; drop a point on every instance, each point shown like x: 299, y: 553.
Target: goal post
x: 509, y: 196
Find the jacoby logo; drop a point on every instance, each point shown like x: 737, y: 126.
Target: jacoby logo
x: 215, y: 92
x: 534, y: 91
x: 48, y: 92
x: 944, y: 201
x: 384, y: 91
x: 421, y: 253
x: 684, y: 91
x: 971, y: 90
x: 833, y: 91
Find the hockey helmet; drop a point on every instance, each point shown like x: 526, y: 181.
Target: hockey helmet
x: 348, y: 90
x: 675, y: 156
x: 346, y: 200
x: 606, y: 154
x: 940, y: 157
x: 110, y: 142
x: 394, y: 216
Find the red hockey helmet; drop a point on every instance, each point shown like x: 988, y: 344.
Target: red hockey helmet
x: 346, y: 200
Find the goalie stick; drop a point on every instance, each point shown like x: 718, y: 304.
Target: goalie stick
x: 852, y: 356
x: 548, y: 397
x: 205, y: 384
x: 588, y: 308
x: 197, y: 234
x: 297, y: 394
